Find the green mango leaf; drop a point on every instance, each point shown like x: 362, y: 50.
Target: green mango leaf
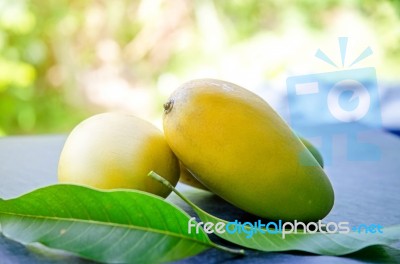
x: 334, y: 244
x: 121, y: 226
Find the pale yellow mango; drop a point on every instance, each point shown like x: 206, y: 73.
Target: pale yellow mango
x: 113, y: 151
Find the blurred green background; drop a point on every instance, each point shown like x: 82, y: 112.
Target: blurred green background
x: 62, y: 61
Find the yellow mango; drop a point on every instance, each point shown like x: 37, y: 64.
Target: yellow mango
x: 188, y: 178
x: 241, y: 149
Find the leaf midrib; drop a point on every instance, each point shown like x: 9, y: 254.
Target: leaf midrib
x: 133, y: 227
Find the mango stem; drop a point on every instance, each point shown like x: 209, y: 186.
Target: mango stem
x: 160, y: 179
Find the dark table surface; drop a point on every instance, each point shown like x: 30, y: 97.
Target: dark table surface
x: 367, y: 191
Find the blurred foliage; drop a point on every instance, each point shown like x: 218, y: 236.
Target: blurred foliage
x: 61, y: 61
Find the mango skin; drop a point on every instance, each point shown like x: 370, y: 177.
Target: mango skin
x: 237, y: 146
x: 115, y: 150
x: 188, y: 178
